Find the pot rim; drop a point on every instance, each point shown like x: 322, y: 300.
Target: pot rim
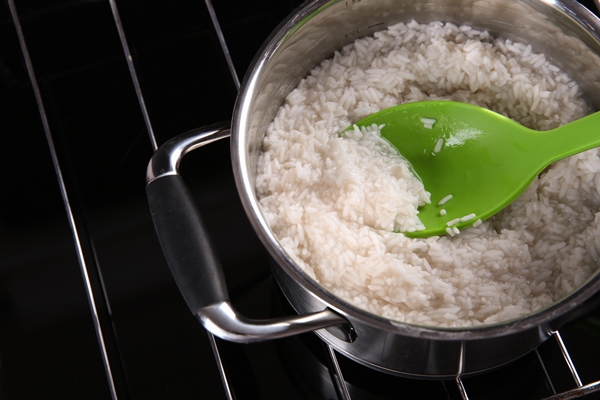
x: 239, y: 144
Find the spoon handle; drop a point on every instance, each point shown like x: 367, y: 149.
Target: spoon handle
x: 572, y: 138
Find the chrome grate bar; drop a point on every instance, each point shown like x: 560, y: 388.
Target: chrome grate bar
x: 580, y: 390
x: 220, y: 366
x: 461, y: 388
x: 577, y: 392
x: 337, y: 376
x: 545, y: 370
x: 66, y: 201
x: 132, y: 72
x: 223, y: 43
x: 459, y: 382
x: 568, y: 360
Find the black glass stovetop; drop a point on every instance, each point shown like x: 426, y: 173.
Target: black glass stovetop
x: 88, y: 232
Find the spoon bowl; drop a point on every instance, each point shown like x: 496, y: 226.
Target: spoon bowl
x: 473, y: 161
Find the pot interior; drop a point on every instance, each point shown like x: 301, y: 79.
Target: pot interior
x: 563, y: 31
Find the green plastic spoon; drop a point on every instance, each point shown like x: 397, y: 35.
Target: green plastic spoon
x: 473, y: 160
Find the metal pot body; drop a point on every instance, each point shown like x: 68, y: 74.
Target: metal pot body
x: 565, y: 31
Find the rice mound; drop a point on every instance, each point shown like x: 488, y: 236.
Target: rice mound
x: 334, y: 203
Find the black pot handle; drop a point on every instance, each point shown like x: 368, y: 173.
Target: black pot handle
x: 179, y: 226
x: 192, y: 259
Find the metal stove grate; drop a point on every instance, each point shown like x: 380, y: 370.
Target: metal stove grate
x: 578, y: 387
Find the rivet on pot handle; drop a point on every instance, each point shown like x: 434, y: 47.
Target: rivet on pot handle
x: 190, y: 255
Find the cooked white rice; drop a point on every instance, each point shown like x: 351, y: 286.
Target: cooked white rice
x: 334, y: 202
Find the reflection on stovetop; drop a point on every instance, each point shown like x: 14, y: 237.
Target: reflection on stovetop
x: 49, y: 346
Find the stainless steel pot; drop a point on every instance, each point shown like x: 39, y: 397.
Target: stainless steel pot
x: 569, y: 35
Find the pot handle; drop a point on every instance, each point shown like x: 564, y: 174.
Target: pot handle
x: 191, y: 258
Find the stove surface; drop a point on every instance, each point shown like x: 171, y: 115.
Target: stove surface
x: 88, y: 308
